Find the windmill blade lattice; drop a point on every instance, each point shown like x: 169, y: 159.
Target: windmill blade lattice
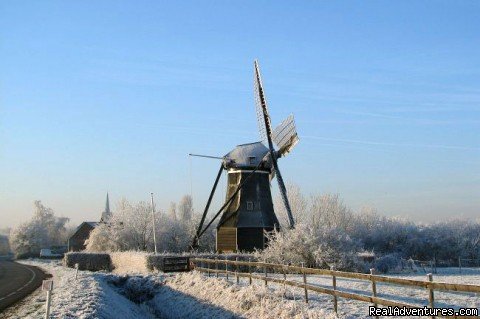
x: 257, y: 85
x: 285, y: 136
x: 262, y: 104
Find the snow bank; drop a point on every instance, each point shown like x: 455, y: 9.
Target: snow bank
x: 192, y: 295
x: 88, y: 297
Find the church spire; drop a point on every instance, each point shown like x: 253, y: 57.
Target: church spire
x: 107, y: 213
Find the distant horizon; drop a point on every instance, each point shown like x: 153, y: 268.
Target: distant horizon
x: 112, y: 97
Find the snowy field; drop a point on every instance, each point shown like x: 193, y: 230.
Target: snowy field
x: 194, y: 295
x: 187, y: 295
x: 357, y: 309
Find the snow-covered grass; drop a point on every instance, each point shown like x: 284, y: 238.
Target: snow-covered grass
x: 229, y: 299
x: 356, y: 309
x: 129, y: 262
x: 90, y: 296
x: 183, y: 295
x: 195, y: 295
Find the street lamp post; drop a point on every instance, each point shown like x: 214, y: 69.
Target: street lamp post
x: 153, y: 219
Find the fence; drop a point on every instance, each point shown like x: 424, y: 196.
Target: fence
x: 221, y: 266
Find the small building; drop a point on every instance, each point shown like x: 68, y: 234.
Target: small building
x: 77, y: 241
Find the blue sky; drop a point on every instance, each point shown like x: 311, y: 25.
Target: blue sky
x: 112, y: 96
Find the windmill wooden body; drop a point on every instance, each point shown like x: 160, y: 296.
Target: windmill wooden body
x: 248, y: 211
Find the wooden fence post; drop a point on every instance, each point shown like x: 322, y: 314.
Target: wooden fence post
x: 265, y: 268
x: 208, y: 269
x: 334, y: 284
x: 216, y: 266
x: 374, y: 287
x: 284, y: 280
x: 249, y: 271
x: 305, y: 283
x: 431, y: 297
x: 236, y: 271
x: 226, y: 267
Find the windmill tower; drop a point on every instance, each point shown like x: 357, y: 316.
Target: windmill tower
x: 248, y: 209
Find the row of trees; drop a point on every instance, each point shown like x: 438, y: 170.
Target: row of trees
x: 328, y: 232
x: 131, y: 228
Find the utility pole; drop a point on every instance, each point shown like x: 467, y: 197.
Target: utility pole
x: 153, y: 219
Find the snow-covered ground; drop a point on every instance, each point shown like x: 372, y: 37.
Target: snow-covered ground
x: 90, y: 296
x: 183, y: 295
x: 357, y: 309
x: 194, y: 295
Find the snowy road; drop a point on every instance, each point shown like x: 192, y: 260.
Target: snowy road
x: 17, y: 281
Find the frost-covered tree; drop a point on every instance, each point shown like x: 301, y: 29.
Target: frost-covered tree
x: 298, y: 205
x: 42, y: 231
x: 172, y: 211
x: 330, y: 211
x: 315, y: 246
x: 393, y: 240
x: 101, y: 239
x: 131, y: 228
x: 471, y: 245
x: 185, y: 208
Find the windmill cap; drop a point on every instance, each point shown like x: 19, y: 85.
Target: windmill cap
x: 248, y: 156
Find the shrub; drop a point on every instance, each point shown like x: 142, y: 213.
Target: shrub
x: 88, y: 261
x: 390, y: 263
x: 320, y: 247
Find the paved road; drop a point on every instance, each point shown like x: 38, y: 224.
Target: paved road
x: 17, y: 281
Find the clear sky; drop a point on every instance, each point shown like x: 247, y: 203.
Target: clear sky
x: 100, y: 96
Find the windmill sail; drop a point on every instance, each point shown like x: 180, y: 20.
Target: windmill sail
x: 285, y: 136
x: 262, y: 103
x: 263, y: 121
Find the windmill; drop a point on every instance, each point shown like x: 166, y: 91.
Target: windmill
x: 248, y: 209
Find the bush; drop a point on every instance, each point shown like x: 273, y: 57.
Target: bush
x: 88, y: 261
x: 390, y: 263
x: 319, y: 247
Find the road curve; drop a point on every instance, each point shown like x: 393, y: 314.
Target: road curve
x: 17, y: 281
